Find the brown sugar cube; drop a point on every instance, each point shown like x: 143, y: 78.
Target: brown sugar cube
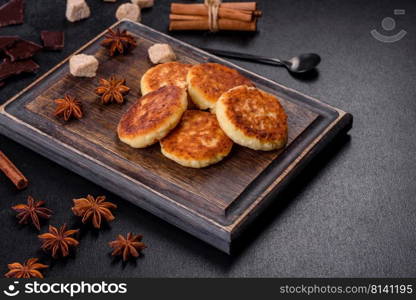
x: 161, y: 53
x: 82, y: 65
x: 128, y: 11
x: 143, y: 3
x: 77, y: 10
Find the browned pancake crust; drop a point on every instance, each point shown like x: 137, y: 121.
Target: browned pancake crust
x: 197, y: 137
x: 172, y: 73
x: 256, y: 113
x: 214, y: 79
x: 150, y: 111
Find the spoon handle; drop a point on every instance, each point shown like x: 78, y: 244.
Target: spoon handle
x: 245, y: 56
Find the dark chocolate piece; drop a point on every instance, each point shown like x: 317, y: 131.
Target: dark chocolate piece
x: 7, y: 41
x: 52, y: 40
x: 22, y: 49
x: 12, y: 13
x: 8, y: 68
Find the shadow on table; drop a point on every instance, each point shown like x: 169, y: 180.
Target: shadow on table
x: 310, y: 76
x: 287, y: 196
x: 291, y: 192
x: 223, y: 38
x: 199, y: 250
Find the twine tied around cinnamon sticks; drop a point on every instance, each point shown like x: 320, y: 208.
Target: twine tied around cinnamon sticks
x: 213, y: 7
x: 214, y: 15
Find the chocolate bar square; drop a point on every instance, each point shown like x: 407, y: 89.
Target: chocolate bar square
x: 52, y: 40
x: 12, y: 13
x: 22, y: 49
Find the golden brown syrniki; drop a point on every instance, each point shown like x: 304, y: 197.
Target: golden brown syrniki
x: 206, y: 83
x: 171, y: 73
x: 252, y: 118
x: 152, y: 116
x: 197, y: 141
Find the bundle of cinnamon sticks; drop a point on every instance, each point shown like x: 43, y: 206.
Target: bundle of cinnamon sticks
x: 238, y: 16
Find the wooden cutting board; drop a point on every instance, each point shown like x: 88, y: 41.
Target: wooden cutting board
x: 213, y: 203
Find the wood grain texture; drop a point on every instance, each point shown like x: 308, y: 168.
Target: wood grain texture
x: 214, y: 203
x: 214, y: 188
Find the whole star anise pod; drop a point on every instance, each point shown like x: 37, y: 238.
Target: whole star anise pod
x: 26, y: 270
x: 33, y: 210
x: 94, y: 209
x: 129, y: 246
x: 68, y: 107
x: 112, y: 89
x: 118, y: 42
x: 58, y: 241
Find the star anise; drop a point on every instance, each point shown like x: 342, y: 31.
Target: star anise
x: 129, y: 246
x: 118, y: 42
x: 33, y: 210
x: 94, y: 209
x: 68, y: 107
x: 112, y: 89
x: 26, y: 270
x: 58, y: 241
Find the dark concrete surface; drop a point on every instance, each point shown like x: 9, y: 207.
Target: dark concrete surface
x: 351, y: 213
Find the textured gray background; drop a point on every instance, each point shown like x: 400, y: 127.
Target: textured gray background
x: 351, y: 213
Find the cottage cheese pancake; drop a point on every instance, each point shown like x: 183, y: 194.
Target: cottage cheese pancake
x: 252, y: 118
x: 198, y: 141
x: 171, y: 73
x: 152, y: 116
x: 206, y: 83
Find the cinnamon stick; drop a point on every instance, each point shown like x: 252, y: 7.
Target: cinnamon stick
x: 223, y: 24
x: 240, y: 5
x: 201, y: 10
x: 12, y: 172
x: 251, y: 6
x: 174, y: 17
